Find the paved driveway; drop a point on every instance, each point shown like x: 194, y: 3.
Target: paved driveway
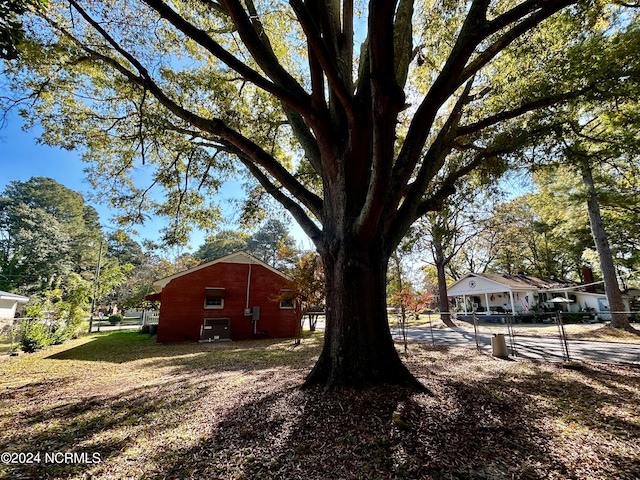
x: 540, y: 348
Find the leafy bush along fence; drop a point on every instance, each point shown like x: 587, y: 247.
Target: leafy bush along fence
x: 34, y: 333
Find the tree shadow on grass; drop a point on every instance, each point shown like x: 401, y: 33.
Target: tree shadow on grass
x: 494, y: 427
x: 465, y: 432
x: 107, y: 423
x: 488, y: 422
x: 292, y: 434
x: 594, y: 394
x: 101, y: 425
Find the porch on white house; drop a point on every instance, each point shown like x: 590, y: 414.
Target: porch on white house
x: 495, y: 294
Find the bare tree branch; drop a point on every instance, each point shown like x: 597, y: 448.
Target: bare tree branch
x: 326, y: 59
x: 215, y: 127
x: 309, y: 227
x: 533, y: 105
x: 289, y: 91
x: 457, y: 70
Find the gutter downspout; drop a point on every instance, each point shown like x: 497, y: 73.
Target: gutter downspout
x: 246, y: 306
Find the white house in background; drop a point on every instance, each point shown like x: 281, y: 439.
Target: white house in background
x: 492, y: 293
x: 8, y: 304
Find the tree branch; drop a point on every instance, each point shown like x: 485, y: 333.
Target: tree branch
x: 387, y: 101
x: 432, y: 161
x: 516, y: 112
x: 473, y: 31
x: 456, y: 71
x: 306, y: 138
x: 309, y: 227
x: 447, y: 187
x: 215, y: 127
x: 403, y: 41
x: 255, y: 39
x: 289, y: 91
x: 549, y: 8
x: 324, y: 57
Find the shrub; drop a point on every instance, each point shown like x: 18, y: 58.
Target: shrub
x: 73, y: 324
x: 116, y: 319
x: 34, y: 335
x: 60, y: 332
x: 35, y: 311
x: 573, y: 317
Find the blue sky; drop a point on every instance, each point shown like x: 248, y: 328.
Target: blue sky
x: 21, y: 158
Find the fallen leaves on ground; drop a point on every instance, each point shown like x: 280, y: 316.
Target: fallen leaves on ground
x: 236, y: 411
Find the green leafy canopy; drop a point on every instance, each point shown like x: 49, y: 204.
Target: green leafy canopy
x: 380, y: 106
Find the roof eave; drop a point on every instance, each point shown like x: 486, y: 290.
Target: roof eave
x: 158, y: 285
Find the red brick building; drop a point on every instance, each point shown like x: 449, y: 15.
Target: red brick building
x: 231, y: 298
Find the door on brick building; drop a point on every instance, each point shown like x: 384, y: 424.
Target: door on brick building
x: 215, y: 330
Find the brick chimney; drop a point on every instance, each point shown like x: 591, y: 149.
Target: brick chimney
x: 587, y: 275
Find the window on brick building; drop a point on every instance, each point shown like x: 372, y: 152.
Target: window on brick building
x: 214, y: 297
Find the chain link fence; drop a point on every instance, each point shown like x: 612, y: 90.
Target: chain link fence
x: 561, y: 337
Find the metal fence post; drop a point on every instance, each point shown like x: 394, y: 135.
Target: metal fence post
x: 563, y: 337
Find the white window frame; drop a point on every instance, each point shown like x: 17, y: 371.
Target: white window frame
x: 284, y: 304
x: 287, y: 307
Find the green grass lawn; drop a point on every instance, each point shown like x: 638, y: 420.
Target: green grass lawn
x: 235, y: 411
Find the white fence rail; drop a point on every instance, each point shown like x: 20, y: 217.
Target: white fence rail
x: 149, y: 317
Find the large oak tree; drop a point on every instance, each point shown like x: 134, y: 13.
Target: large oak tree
x: 46, y: 231
x: 346, y: 113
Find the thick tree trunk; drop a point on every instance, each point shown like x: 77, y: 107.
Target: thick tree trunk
x: 443, y: 296
x: 358, y: 347
x: 619, y: 319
